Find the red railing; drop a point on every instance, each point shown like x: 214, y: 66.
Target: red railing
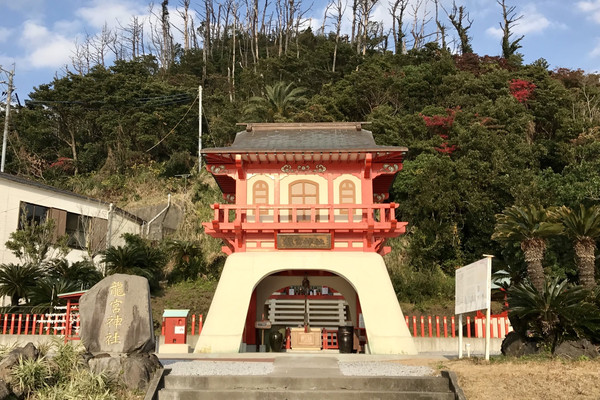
x: 38, y: 324
x: 329, y: 338
x: 446, y: 326
x: 326, y: 216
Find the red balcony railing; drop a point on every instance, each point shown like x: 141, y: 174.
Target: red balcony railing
x: 355, y: 217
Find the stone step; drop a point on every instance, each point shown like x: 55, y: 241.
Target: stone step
x: 282, y: 394
x: 347, y: 383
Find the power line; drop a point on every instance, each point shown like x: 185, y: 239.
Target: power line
x: 177, y: 98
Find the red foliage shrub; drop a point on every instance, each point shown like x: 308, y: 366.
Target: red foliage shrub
x: 441, y: 125
x: 521, y: 90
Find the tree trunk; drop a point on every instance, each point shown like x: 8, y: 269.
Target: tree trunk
x: 534, y: 250
x: 584, y: 252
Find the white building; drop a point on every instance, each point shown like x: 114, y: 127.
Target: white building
x: 91, y: 225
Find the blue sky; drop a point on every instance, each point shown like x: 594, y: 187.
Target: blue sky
x: 39, y: 36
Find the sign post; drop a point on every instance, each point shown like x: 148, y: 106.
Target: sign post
x: 473, y: 292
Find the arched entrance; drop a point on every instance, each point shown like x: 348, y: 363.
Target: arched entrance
x: 280, y: 298
x: 364, y: 275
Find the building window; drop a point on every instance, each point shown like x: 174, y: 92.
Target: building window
x: 347, y: 194
x: 77, y: 227
x: 260, y: 193
x: 32, y: 214
x: 304, y: 192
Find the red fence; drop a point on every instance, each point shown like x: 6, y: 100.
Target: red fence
x: 419, y: 326
x: 436, y: 326
x: 37, y: 324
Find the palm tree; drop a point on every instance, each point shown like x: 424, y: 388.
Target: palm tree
x: 278, y: 101
x: 137, y: 257
x: 17, y: 281
x: 45, y: 293
x: 583, y: 226
x: 559, y: 311
x: 530, y: 226
x: 122, y: 259
x: 82, y: 274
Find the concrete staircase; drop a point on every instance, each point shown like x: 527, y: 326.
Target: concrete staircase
x: 302, y: 387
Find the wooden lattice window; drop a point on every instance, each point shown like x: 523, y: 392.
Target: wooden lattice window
x: 304, y: 192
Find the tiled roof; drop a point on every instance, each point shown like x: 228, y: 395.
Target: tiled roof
x: 302, y: 137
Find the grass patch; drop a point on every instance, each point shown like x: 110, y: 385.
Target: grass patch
x: 193, y: 295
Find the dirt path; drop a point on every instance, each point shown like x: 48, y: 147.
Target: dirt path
x: 526, y: 380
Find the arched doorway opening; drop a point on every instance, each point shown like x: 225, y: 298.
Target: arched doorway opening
x: 365, y: 274
x: 328, y: 303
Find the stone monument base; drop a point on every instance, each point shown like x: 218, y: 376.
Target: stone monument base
x: 133, y: 370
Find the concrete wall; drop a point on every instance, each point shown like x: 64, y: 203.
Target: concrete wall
x: 365, y: 272
x: 447, y: 346
x: 165, y: 223
x: 450, y: 345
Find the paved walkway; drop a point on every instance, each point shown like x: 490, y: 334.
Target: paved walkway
x: 300, y: 364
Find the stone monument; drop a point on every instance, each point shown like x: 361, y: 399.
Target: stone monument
x: 116, y: 329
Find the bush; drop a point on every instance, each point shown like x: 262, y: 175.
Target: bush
x: 417, y: 286
x: 65, y: 377
x: 560, y: 312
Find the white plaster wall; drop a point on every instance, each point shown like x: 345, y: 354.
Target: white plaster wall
x: 366, y: 272
x: 12, y: 193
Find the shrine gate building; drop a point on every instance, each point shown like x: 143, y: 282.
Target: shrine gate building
x: 305, y: 201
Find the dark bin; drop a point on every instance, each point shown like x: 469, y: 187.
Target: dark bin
x: 346, y: 339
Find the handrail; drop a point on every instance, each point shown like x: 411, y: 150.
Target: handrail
x: 371, y: 214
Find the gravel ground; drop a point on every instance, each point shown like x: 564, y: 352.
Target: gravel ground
x: 219, y: 368
x: 232, y: 368
x: 374, y: 368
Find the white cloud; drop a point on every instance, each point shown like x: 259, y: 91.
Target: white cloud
x: 587, y: 6
x: 532, y: 22
x: 45, y: 48
x: 27, y: 6
x: 592, y: 8
x: 5, y: 34
x: 596, y: 50
x: 109, y: 12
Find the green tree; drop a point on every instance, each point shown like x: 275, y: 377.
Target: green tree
x: 530, y: 226
x: 35, y: 242
x: 557, y: 312
x: 17, y: 281
x: 83, y: 274
x: 582, y: 225
x: 137, y: 257
x: 279, y: 100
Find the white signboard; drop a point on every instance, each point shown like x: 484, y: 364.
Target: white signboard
x: 179, y: 330
x: 473, y: 287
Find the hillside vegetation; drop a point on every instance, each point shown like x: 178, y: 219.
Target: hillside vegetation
x: 484, y: 133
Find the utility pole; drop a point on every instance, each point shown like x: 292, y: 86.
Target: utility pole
x: 200, y: 128
x: 7, y: 115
